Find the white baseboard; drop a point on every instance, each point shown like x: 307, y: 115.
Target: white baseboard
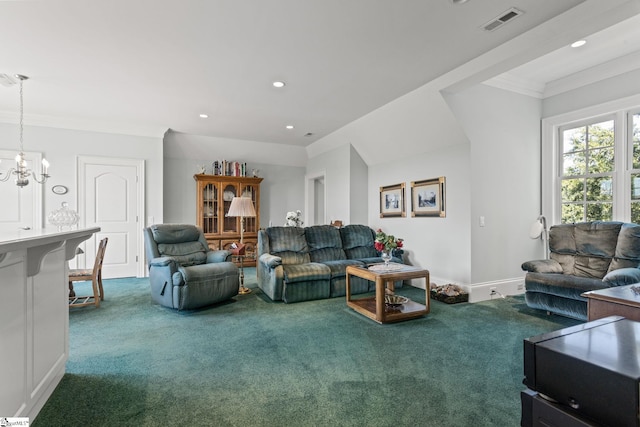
x: 480, y: 291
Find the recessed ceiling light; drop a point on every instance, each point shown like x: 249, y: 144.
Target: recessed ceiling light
x: 459, y: 1
x: 204, y: 116
x: 289, y: 126
x: 578, y: 43
x: 278, y: 84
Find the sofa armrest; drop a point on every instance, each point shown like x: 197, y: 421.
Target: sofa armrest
x: 221, y: 255
x: 543, y: 266
x: 622, y: 277
x: 270, y: 261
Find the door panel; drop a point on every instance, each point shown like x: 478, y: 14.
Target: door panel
x: 110, y: 202
x: 22, y: 207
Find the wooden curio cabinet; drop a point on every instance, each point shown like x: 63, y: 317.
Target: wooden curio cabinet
x: 213, y: 198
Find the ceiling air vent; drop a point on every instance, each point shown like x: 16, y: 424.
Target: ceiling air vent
x: 504, y: 17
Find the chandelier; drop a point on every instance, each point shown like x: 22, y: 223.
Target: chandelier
x: 21, y: 171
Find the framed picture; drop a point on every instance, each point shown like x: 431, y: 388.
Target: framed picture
x: 392, y: 200
x: 427, y: 197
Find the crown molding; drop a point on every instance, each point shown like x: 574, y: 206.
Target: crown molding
x: 597, y: 73
x: 513, y: 83
x: 84, y: 125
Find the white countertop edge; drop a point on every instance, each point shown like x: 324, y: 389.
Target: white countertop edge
x: 22, y: 239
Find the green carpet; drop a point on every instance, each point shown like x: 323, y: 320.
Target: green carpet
x: 253, y: 362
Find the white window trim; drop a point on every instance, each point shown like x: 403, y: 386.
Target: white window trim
x: 550, y: 155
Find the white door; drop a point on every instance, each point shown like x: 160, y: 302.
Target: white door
x: 21, y: 207
x: 110, y: 197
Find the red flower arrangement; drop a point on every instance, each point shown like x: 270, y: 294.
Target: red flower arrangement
x: 386, y: 242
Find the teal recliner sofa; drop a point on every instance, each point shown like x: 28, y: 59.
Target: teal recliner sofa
x: 183, y: 272
x: 583, y: 257
x: 300, y: 264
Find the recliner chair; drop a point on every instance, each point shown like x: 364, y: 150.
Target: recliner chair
x: 183, y: 272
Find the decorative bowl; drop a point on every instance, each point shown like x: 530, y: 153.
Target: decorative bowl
x: 395, y: 300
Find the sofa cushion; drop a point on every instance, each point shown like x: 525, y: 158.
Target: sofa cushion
x: 597, y: 238
x: 628, y: 248
x: 289, y: 239
x: 339, y: 267
x: 324, y: 243
x: 591, y: 266
x: 289, y: 257
x: 561, y: 239
x: 622, y: 277
x: 357, y: 241
x: 306, y: 272
x: 186, y: 253
x: 174, y: 233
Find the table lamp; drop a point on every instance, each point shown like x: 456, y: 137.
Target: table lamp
x: 241, y: 207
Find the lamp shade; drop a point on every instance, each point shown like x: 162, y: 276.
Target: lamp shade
x: 242, y: 207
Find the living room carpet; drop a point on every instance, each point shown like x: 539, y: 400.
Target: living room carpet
x: 254, y: 362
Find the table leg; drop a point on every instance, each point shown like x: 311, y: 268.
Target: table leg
x: 380, y: 291
x: 348, y: 286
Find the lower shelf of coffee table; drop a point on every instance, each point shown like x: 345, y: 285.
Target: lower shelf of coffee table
x: 408, y: 310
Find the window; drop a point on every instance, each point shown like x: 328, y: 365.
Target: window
x: 634, y: 138
x: 588, y: 166
x: 591, y: 163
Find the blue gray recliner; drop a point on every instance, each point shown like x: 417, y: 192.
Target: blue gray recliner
x: 183, y: 272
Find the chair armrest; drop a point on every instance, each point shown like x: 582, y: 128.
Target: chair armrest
x: 270, y: 261
x: 622, y: 277
x: 162, y: 261
x: 543, y: 266
x: 221, y: 255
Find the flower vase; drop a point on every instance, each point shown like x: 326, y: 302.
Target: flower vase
x: 386, y: 257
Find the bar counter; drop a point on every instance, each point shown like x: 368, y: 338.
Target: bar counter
x: 34, y: 315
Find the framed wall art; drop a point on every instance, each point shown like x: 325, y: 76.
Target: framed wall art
x: 392, y: 201
x: 427, y: 197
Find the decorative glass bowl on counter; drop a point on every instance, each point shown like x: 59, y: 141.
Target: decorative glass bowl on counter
x: 63, y: 217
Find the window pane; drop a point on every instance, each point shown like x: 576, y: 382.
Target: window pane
x: 572, y: 213
x: 600, y: 134
x: 636, y: 140
x: 599, y: 189
x: 601, y: 160
x: 574, y: 164
x: 572, y: 190
x: 599, y: 212
x: 574, y: 139
x: 635, y: 212
x: 635, y: 186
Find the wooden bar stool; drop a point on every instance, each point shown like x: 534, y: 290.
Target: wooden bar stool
x: 94, y: 274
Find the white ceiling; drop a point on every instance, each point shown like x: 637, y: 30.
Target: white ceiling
x: 608, y: 52
x: 145, y: 66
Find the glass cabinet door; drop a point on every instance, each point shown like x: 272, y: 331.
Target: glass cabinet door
x: 250, y: 223
x: 230, y: 223
x: 210, y: 208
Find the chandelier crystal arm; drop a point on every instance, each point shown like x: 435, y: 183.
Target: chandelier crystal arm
x: 21, y: 171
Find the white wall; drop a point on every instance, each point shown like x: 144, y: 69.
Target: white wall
x: 359, y: 188
x: 61, y: 147
x: 504, y: 132
x: 413, y: 138
x: 281, y: 167
x: 336, y: 164
x: 441, y: 245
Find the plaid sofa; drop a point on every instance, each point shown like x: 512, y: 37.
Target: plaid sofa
x: 583, y: 257
x: 301, y: 264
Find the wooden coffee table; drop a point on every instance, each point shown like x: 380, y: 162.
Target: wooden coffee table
x: 375, y: 307
x: 618, y: 300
